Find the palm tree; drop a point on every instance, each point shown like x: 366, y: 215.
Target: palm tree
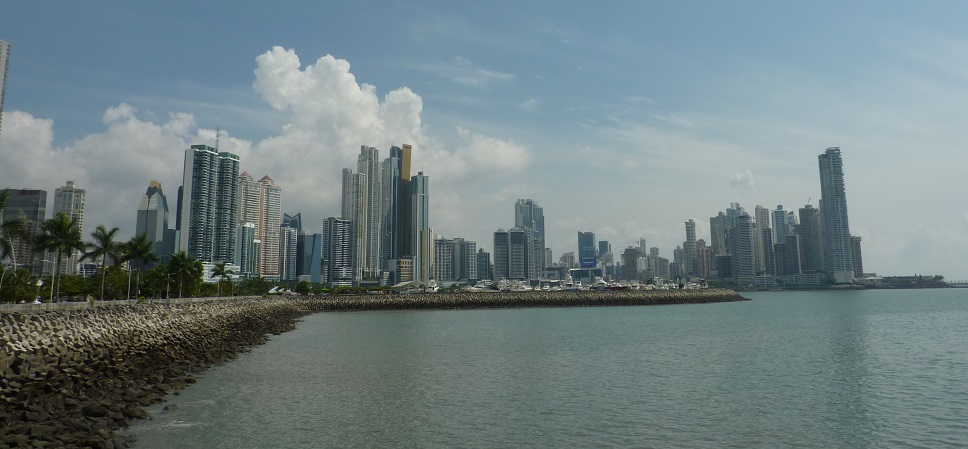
x: 8, y: 230
x: 184, y: 267
x: 61, y: 234
x: 139, y: 250
x: 222, y: 273
x: 104, y: 247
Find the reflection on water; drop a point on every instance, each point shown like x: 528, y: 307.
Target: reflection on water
x: 788, y: 369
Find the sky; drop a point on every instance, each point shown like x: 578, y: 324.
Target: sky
x: 621, y: 118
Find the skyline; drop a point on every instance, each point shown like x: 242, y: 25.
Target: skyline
x: 625, y: 125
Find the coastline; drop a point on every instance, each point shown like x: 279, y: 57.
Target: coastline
x: 71, y: 378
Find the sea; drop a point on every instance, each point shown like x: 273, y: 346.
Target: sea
x: 789, y: 369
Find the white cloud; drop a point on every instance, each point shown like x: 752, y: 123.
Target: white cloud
x: 530, y: 105
x: 742, y: 181
x: 464, y: 71
x: 329, y: 114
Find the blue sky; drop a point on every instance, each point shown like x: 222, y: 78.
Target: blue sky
x: 621, y: 118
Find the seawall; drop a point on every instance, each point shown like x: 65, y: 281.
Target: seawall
x: 71, y: 378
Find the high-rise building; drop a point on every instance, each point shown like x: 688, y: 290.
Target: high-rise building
x: 483, y: 264
x: 293, y: 221
x: 567, y: 260
x: 422, y: 239
x: 29, y: 206
x: 761, y: 223
x: 702, y: 259
x: 337, y: 265
x: 288, y: 252
x: 395, y: 209
x: 781, y: 228
x: 209, y: 204
x: 444, y: 260
x: 269, y: 225
x: 502, y: 244
x: 353, y: 208
x: 741, y: 249
x: 465, y: 259
x: 4, y: 62
x: 586, y: 250
x: 528, y: 214
x: 689, y: 249
x: 152, y: 217
x: 69, y: 200
x: 811, y: 247
x: 519, y: 253
x: 833, y: 209
x: 718, y: 230
x: 247, y: 252
x: 857, y: 256
x: 248, y: 199
x: 368, y: 165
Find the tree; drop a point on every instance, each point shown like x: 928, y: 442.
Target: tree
x: 104, y: 246
x: 139, y: 250
x: 8, y: 230
x: 61, y: 235
x: 185, y: 268
x: 222, y: 273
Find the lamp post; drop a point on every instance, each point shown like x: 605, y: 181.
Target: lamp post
x: 129, y: 281
x: 43, y: 268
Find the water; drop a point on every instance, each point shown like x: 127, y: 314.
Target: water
x: 787, y: 370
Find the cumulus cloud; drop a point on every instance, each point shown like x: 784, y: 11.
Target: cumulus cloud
x: 742, y: 181
x: 329, y: 114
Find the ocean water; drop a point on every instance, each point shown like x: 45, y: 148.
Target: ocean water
x: 852, y: 369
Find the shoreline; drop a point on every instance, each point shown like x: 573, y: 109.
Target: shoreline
x: 72, y: 378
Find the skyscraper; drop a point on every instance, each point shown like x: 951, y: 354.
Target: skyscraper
x: 422, y: 238
x: 248, y: 199
x: 248, y: 250
x: 761, y: 225
x: 528, y: 214
x: 368, y: 165
x: 833, y: 209
x: 288, y: 246
x: 69, y: 200
x: 152, y: 219
x: 337, y: 269
x: 444, y: 260
x: 501, y: 245
x: 353, y: 208
x: 30, y: 206
x: 858, y: 258
x: 270, y: 221
x: 4, y: 61
x: 586, y: 250
x: 741, y: 250
x: 209, y: 204
x: 689, y: 248
x: 810, y: 245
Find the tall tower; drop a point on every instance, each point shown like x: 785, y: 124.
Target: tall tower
x: 209, y: 204
x: 4, y: 60
x: 502, y: 245
x: 354, y: 208
x: 761, y: 226
x: 741, y: 249
x: 270, y: 220
x: 810, y: 244
x: 422, y: 241
x: 529, y: 215
x: 689, y: 248
x: 337, y: 267
x: 586, y: 250
x: 833, y: 209
x: 248, y: 199
x: 69, y: 200
x: 152, y: 219
x: 368, y: 165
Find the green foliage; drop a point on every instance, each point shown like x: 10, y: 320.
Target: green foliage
x: 186, y: 273
x: 253, y: 287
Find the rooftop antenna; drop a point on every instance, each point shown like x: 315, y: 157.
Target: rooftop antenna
x: 217, y: 132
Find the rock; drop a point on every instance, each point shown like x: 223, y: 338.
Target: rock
x: 170, y: 408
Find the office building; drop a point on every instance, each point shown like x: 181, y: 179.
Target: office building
x: 422, y: 237
x: 501, y: 263
x: 337, y: 266
x: 833, y: 209
x: 152, y: 218
x: 288, y: 252
x: 483, y: 264
x: 69, y: 200
x: 857, y: 256
x: 586, y: 250
x: 741, y: 250
x: 529, y: 215
x: 368, y: 165
x: 761, y: 223
x: 689, y: 249
x: 444, y: 260
x: 811, y: 246
x: 247, y: 251
x: 29, y: 206
x: 396, y: 226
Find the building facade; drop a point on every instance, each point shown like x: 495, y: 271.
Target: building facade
x: 69, y: 200
x: 833, y: 209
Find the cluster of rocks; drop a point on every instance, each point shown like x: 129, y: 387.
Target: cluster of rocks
x: 71, y: 378
x: 484, y: 300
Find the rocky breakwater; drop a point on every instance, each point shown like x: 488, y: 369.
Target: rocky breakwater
x: 484, y: 300
x: 71, y: 378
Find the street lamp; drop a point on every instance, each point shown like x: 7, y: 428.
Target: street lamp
x: 129, y: 281
x: 43, y: 268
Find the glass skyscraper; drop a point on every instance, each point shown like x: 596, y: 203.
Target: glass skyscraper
x: 838, y: 256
